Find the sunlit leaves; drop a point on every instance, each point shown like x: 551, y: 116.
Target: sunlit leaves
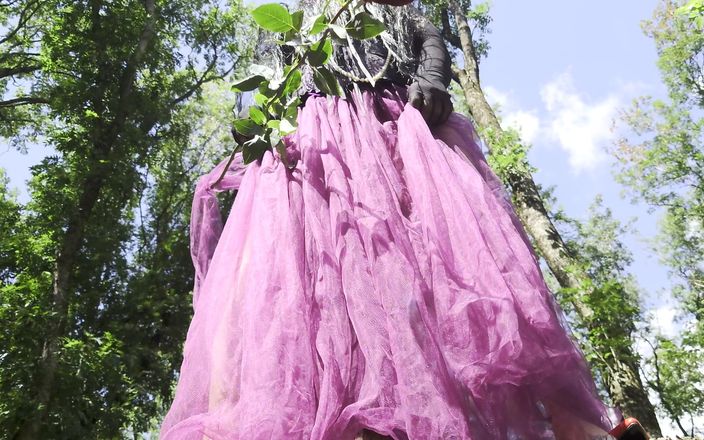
x: 247, y: 84
x: 297, y: 20
x: 326, y: 81
x: 660, y: 153
x: 273, y: 17
x: 320, y: 52
x: 319, y: 25
x: 257, y: 115
x: 293, y: 82
x: 694, y: 9
x: 509, y: 156
x: 112, y: 113
x: 364, y: 26
x: 275, y: 112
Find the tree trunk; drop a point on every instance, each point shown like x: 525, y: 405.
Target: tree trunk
x: 61, y: 295
x: 620, y: 371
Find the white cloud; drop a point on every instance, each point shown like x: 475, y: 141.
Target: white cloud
x: 663, y: 321
x: 527, y: 123
x: 496, y: 97
x: 581, y: 128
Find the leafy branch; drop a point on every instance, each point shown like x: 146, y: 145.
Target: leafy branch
x: 277, y: 94
x: 695, y: 10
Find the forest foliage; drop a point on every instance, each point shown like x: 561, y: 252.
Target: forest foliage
x: 134, y: 100
x: 96, y: 268
x: 660, y: 157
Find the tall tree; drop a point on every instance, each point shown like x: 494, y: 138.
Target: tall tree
x: 597, y: 244
x: 619, y: 370
x: 661, y: 158
x: 114, y: 75
x: 661, y: 150
x: 676, y: 374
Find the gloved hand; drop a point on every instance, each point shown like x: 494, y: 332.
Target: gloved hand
x: 428, y: 92
x: 431, y: 99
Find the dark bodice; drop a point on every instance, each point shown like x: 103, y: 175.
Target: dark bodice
x: 353, y: 57
x: 375, y: 58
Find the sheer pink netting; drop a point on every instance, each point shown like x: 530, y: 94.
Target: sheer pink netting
x: 383, y: 284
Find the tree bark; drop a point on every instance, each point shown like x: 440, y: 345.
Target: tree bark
x: 73, y: 238
x: 621, y: 374
x: 48, y: 363
x: 6, y: 72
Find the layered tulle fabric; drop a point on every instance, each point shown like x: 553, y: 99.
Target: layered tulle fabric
x: 384, y: 283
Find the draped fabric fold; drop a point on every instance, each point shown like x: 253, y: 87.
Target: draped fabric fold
x: 206, y: 219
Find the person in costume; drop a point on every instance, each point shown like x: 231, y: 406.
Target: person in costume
x: 381, y: 288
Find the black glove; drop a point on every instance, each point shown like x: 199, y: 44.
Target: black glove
x: 432, y: 99
x: 428, y: 92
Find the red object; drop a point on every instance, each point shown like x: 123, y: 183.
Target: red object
x: 393, y: 2
x: 631, y: 427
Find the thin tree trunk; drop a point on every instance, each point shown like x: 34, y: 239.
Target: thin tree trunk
x: 62, y: 274
x: 91, y: 187
x: 620, y: 371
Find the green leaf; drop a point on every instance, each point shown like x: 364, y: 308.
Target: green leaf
x: 260, y: 99
x: 273, y: 17
x: 320, y: 52
x: 326, y: 82
x: 292, y: 38
x: 254, y: 149
x: 276, y: 107
x: 319, y: 25
x: 364, y: 26
x: 297, y: 20
x: 293, y: 82
x: 247, y: 127
x: 247, y: 84
x: 291, y: 112
x: 294, y: 102
x: 257, y: 115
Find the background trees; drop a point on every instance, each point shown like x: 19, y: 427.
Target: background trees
x: 661, y: 158
x: 93, y: 290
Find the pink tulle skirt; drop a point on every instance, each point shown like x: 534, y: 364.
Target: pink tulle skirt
x: 383, y: 284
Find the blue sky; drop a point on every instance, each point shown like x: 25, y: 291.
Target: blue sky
x: 560, y: 71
